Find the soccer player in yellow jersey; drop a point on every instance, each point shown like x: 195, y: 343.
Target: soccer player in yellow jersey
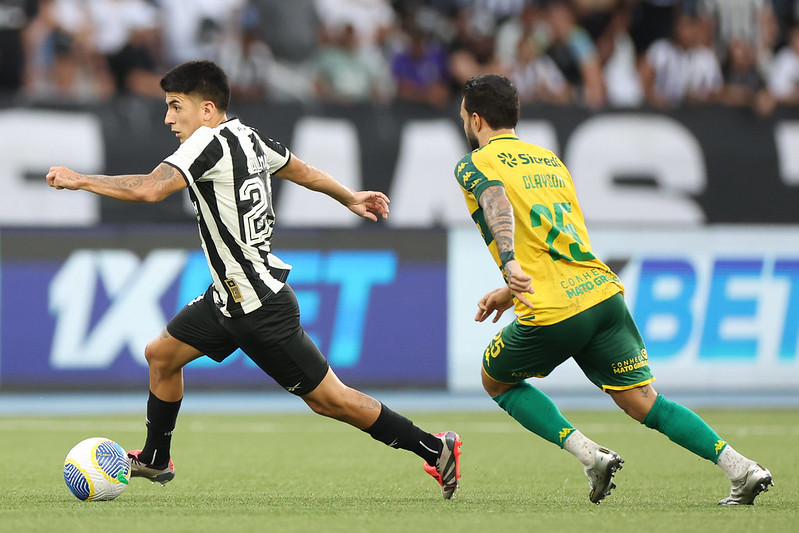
x: 567, y: 302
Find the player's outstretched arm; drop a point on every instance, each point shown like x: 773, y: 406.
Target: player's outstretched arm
x: 366, y: 204
x: 498, y: 214
x: 152, y: 187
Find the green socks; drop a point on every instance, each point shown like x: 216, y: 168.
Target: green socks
x: 535, y: 411
x: 684, y: 427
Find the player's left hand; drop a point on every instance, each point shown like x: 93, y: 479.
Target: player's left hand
x: 518, y: 282
x: 63, y: 178
x: 369, y: 204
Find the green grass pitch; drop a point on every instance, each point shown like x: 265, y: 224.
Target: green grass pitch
x: 301, y: 472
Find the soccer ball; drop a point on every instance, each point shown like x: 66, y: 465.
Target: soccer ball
x: 96, y: 469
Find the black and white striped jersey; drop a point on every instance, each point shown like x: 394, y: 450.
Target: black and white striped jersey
x: 228, y: 170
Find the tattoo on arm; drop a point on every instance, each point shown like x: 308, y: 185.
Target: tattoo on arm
x: 124, y: 183
x: 129, y: 182
x: 135, y: 186
x: 367, y: 402
x: 163, y: 175
x: 499, y: 217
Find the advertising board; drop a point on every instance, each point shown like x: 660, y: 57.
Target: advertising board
x: 79, y: 306
x: 718, y: 307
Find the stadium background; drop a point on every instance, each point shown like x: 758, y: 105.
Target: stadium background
x: 692, y: 204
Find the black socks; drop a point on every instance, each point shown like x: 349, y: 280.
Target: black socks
x: 161, y: 417
x: 397, y: 431
x: 390, y: 428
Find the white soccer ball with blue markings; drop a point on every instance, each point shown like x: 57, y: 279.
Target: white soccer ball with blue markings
x: 96, y: 469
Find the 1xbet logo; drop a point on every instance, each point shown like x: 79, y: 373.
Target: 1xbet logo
x: 105, y: 302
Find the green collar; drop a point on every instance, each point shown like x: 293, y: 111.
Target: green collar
x: 501, y: 137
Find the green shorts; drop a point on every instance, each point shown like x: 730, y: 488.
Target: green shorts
x: 603, y: 340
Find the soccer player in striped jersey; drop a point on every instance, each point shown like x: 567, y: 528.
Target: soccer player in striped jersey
x: 227, y: 167
x: 567, y: 302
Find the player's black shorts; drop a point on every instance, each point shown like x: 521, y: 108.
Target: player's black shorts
x: 271, y: 336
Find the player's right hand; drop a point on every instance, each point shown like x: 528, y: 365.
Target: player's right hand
x: 62, y: 178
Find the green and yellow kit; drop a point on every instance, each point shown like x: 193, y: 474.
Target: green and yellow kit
x: 550, y: 239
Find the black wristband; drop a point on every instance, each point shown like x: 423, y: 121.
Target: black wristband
x: 504, y: 257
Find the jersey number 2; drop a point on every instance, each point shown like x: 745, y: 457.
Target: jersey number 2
x: 255, y: 227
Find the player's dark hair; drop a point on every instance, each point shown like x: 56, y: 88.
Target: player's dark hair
x: 494, y: 98
x: 203, y: 78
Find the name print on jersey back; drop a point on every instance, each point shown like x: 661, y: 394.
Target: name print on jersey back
x: 538, y: 181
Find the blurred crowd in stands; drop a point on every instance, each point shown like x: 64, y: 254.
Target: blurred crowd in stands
x: 592, y: 53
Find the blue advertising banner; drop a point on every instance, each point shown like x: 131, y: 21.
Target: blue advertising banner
x: 718, y: 307
x: 79, y: 306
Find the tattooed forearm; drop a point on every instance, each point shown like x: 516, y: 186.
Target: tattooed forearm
x: 499, y: 217
x: 123, y: 183
x: 152, y: 187
x: 160, y: 177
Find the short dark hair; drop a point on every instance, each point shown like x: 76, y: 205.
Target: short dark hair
x: 494, y: 98
x: 203, y: 78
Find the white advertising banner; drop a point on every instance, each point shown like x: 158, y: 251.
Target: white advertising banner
x: 718, y: 307
x: 34, y: 140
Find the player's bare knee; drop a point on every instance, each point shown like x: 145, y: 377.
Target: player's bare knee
x: 641, y: 410
x: 319, y: 408
x: 637, y: 402
x: 331, y: 406
x: 157, y: 358
x: 494, y: 388
x: 151, y: 354
x: 632, y: 412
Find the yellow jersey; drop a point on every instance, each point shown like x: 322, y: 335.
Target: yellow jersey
x: 550, y: 238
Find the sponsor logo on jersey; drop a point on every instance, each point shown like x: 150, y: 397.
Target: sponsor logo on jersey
x: 526, y: 159
x: 634, y: 363
x: 508, y: 159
